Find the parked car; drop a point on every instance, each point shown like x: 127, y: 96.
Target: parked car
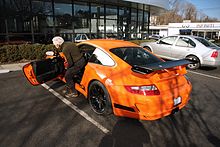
x: 152, y: 37
x: 84, y: 37
x: 122, y: 77
x: 155, y: 37
x: 196, y: 48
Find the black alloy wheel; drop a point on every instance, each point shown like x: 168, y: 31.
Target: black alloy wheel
x: 99, y: 98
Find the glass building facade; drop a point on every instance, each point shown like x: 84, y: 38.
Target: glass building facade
x: 37, y: 21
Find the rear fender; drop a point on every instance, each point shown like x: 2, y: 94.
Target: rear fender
x: 196, y: 55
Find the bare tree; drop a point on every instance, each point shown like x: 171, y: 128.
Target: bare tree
x: 182, y: 10
x: 173, y: 15
x: 204, y: 18
x: 190, y: 12
x: 209, y: 19
x: 21, y: 5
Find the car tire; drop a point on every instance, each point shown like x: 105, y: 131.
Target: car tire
x: 195, y: 65
x: 148, y: 48
x: 99, y: 98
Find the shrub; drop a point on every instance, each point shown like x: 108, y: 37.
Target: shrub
x: 15, y: 53
x: 3, y: 56
x: 9, y: 53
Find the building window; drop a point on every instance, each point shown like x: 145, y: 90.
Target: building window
x: 97, y: 20
x: 111, y: 12
x: 63, y: 16
x: 81, y: 18
x: 43, y: 21
x: 42, y: 7
x: 111, y: 21
x: 20, y: 18
x: 124, y: 23
x: 63, y: 19
x: 2, y: 18
x: 140, y: 21
x: 145, y: 21
x: 133, y: 24
x: 2, y: 26
x: 39, y: 20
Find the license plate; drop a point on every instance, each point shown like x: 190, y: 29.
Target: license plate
x: 177, y: 101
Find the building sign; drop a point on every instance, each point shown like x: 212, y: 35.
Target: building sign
x: 204, y: 26
x: 185, y: 26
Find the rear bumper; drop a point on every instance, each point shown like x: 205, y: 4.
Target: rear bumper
x: 150, y: 107
x: 163, y: 113
x: 211, y: 62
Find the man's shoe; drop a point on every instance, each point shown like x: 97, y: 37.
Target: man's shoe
x: 65, y: 90
x: 71, y: 95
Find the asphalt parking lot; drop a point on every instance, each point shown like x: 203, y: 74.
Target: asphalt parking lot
x: 39, y: 116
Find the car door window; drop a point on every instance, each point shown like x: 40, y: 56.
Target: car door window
x: 78, y: 37
x: 84, y: 37
x: 168, y: 40
x: 185, y: 42
x: 206, y: 42
x: 88, y: 49
x: 100, y: 57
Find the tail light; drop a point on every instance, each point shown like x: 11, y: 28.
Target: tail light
x: 214, y: 54
x: 148, y: 90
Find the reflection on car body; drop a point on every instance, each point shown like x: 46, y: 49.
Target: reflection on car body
x: 123, y: 78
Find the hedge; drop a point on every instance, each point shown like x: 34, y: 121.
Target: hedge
x: 16, y: 53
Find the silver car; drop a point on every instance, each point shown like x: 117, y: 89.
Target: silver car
x: 196, y: 48
x: 81, y: 37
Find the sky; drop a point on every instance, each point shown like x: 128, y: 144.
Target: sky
x: 209, y: 7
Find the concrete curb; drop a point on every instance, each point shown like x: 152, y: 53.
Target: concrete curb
x: 4, y: 71
x: 5, y: 68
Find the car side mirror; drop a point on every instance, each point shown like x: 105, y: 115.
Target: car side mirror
x: 50, y: 53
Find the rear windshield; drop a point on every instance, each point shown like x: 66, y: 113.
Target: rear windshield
x: 135, y: 56
x: 205, y: 42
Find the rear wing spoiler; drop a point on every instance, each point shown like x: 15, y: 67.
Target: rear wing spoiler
x: 147, y: 69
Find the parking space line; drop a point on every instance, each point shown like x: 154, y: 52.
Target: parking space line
x: 204, y: 75
x: 75, y: 108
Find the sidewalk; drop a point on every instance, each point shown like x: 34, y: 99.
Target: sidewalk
x: 5, y: 68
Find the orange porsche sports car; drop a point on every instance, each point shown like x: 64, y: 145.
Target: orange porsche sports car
x: 123, y: 78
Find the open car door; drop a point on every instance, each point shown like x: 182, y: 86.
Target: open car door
x: 39, y: 72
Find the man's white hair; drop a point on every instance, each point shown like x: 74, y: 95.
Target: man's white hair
x: 58, y: 40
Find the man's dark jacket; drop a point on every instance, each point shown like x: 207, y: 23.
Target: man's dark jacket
x: 72, y: 53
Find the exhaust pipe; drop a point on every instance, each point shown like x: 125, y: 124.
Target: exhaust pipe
x: 175, y: 110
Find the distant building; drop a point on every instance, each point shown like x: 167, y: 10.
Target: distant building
x: 207, y: 30
x: 161, y: 30
x: 40, y: 20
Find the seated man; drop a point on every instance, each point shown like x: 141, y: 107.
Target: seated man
x: 75, y: 61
